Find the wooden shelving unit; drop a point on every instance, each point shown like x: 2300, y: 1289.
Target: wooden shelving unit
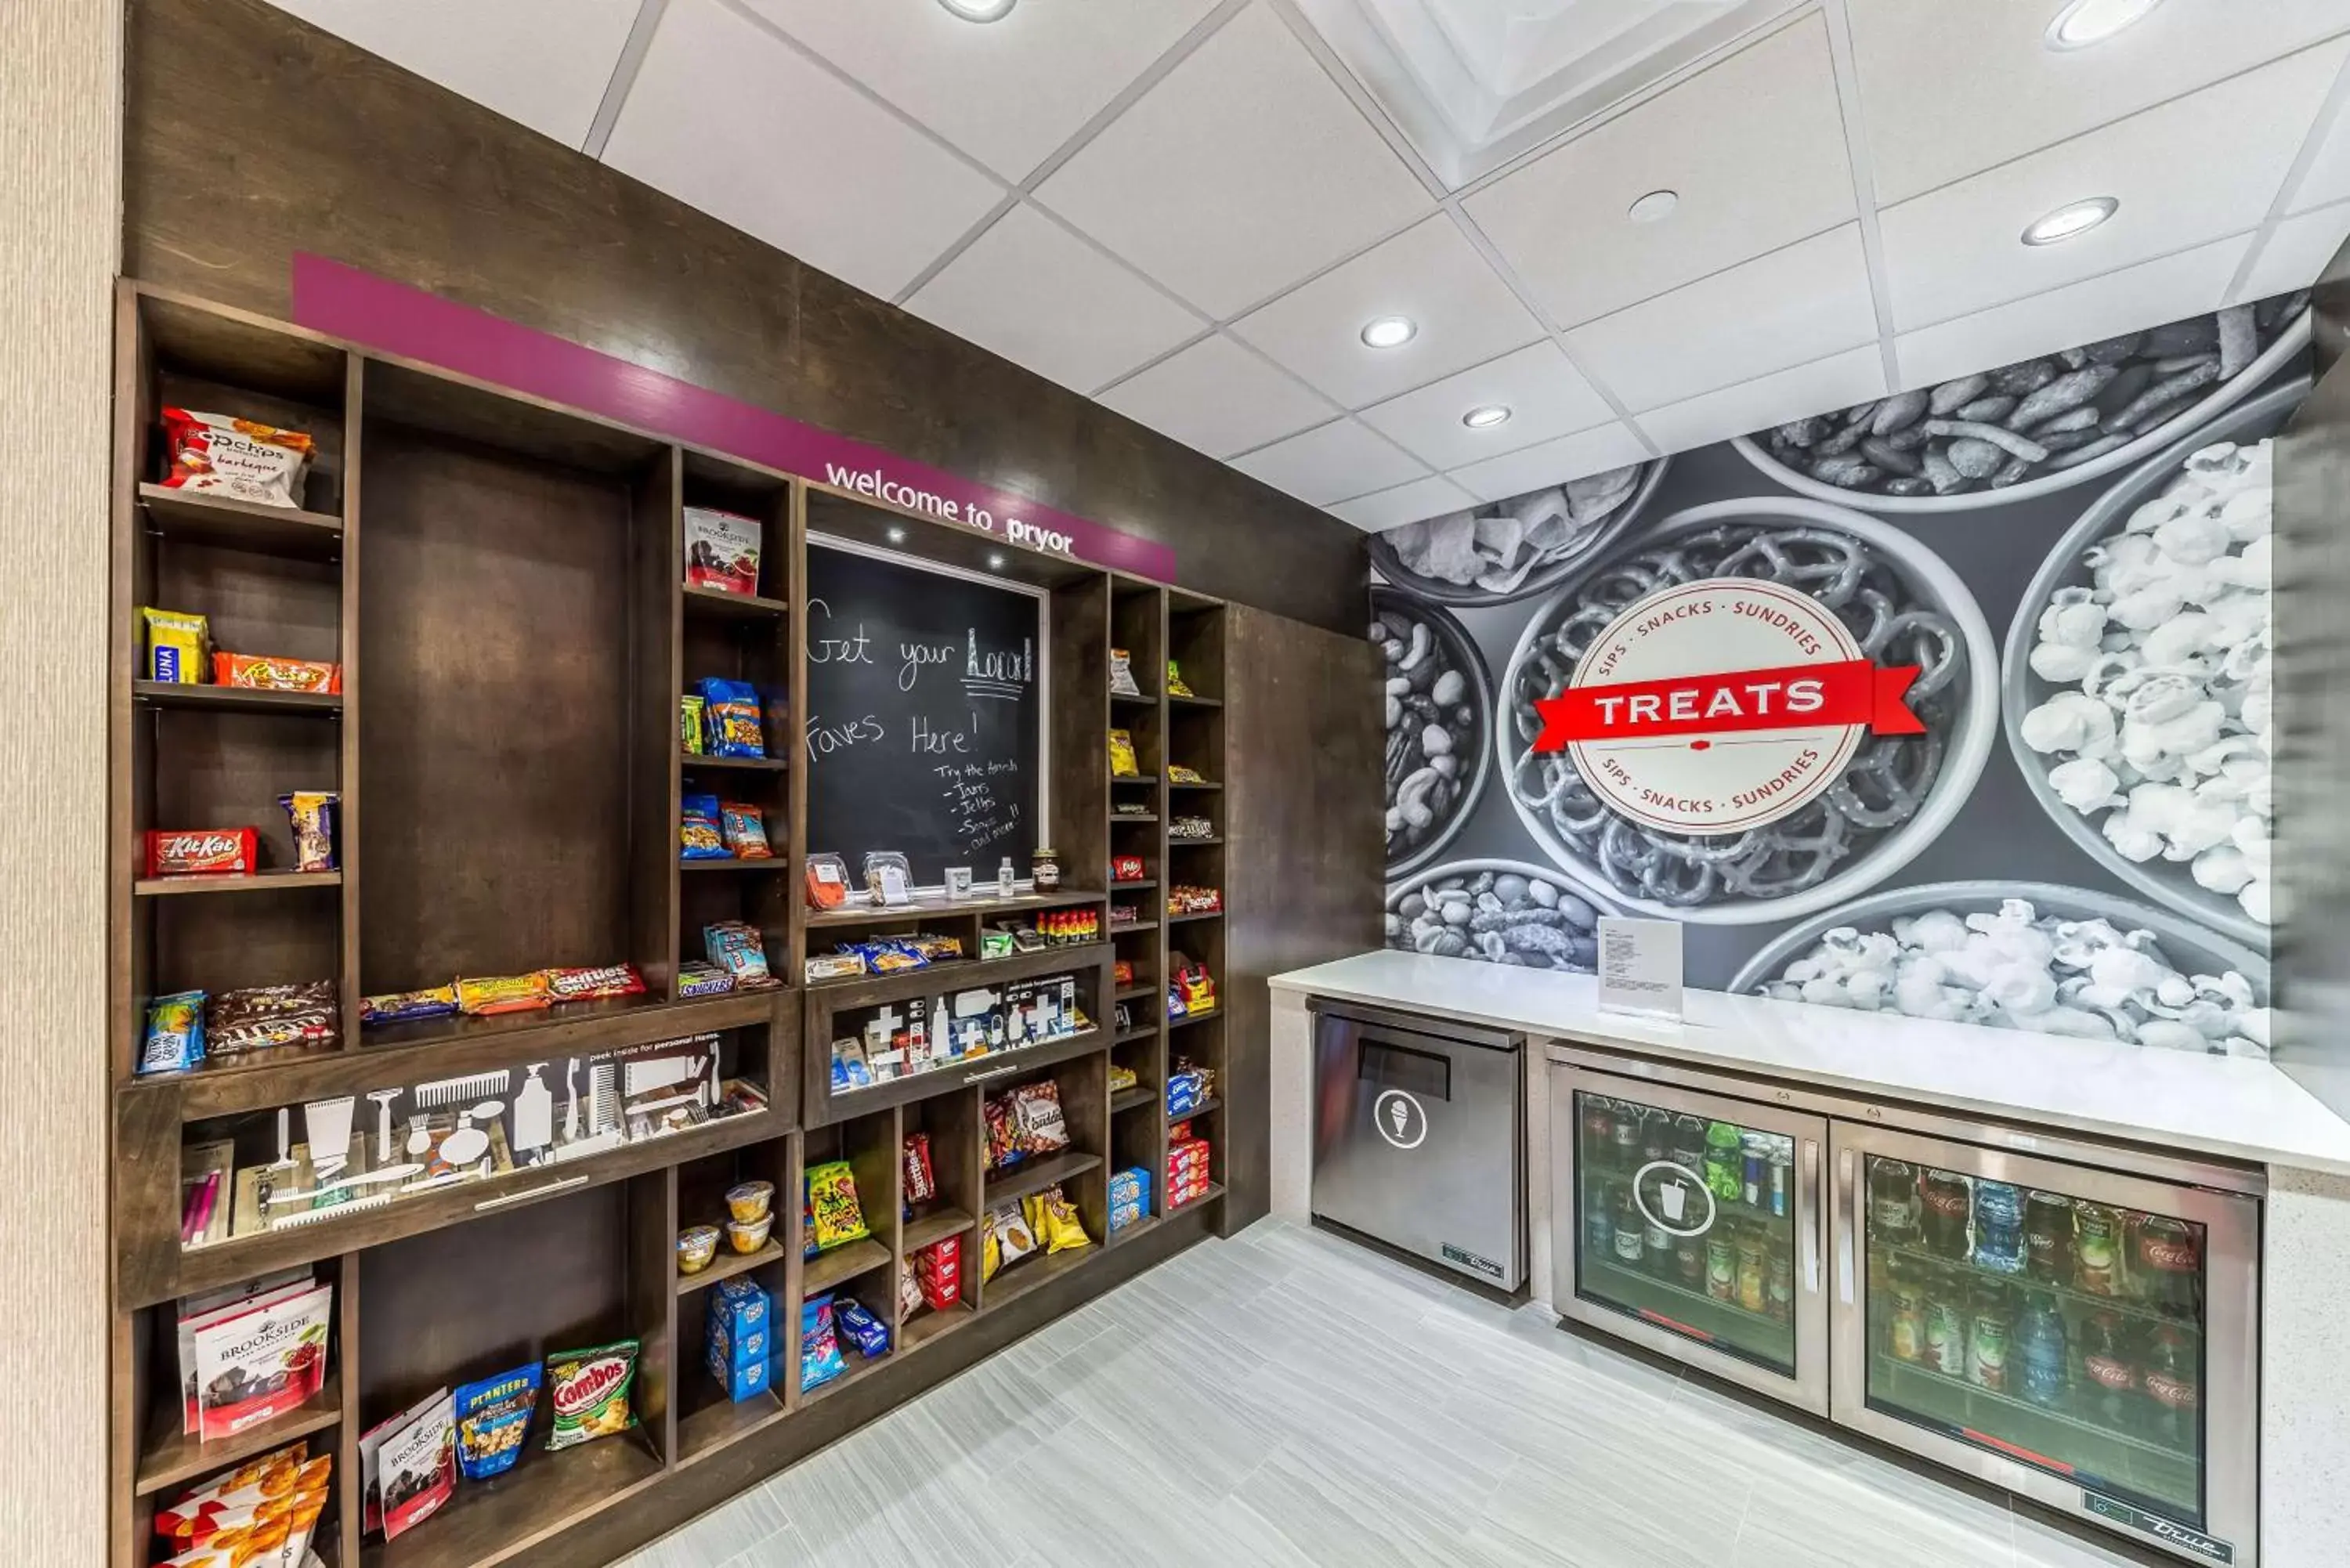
x: 500, y: 579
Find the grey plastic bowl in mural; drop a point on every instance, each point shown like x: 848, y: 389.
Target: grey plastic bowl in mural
x: 2186, y: 946
x: 1491, y: 585
x: 2041, y: 479
x: 1440, y: 704
x: 2168, y: 882
x: 1903, y: 791
x: 1498, y: 911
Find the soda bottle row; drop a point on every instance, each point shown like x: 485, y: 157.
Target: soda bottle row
x: 2103, y: 1367
x: 1738, y: 1262
x: 1756, y: 1169
x: 2071, y: 1244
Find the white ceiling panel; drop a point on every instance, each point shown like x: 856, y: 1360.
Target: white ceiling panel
x: 2147, y: 295
x: 1337, y: 461
x: 1241, y: 172
x: 1009, y: 92
x: 2297, y: 251
x: 1545, y: 393
x: 1553, y: 462
x: 1430, y: 272
x: 1218, y: 398
x: 2327, y: 177
x: 1836, y: 382
x: 1754, y: 148
x: 1959, y: 249
x: 1032, y: 292
x: 1789, y: 307
x: 543, y: 62
x: 1429, y: 497
x: 1951, y: 89
x: 728, y: 118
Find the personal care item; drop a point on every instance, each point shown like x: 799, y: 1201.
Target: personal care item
x: 1007, y: 882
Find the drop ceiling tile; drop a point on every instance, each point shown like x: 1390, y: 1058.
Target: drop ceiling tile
x: 1336, y: 462
x: 1950, y: 89
x: 1545, y: 395
x: 1431, y: 497
x: 2297, y: 251
x: 1430, y: 272
x: 1008, y: 92
x: 1032, y: 292
x: 2144, y: 295
x: 1789, y: 307
x: 729, y: 119
x: 1753, y: 146
x: 543, y: 62
x: 1553, y: 462
x: 1959, y: 249
x: 2327, y: 177
x: 1218, y: 398
x: 1241, y: 172
x: 1836, y: 382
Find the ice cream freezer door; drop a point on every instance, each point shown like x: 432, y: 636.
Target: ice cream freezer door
x: 1419, y: 1138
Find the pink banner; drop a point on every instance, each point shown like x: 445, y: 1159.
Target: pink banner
x: 377, y: 313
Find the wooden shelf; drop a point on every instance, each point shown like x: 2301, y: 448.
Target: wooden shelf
x: 1117, y: 817
x: 1133, y: 699
x: 727, y: 1264
x: 169, y: 1456
x: 1203, y: 784
x: 924, y: 1229
x: 851, y: 991
x: 1215, y: 1190
x: 826, y: 1270
x: 1180, y: 700
x: 1195, y: 1018
x: 1117, y: 779
x: 717, y: 604
x: 932, y: 1325
x: 692, y: 761
x: 1036, y: 1175
x: 488, y: 1520
x: 1191, y: 843
x: 1139, y: 882
x: 1196, y: 914
x: 1034, y: 1273
x: 1128, y: 927
x: 233, y: 699
x: 1134, y: 1229
x: 197, y: 517
x: 725, y: 1420
x: 858, y: 1367
x: 261, y: 882
x: 1208, y: 1107
x: 1132, y: 1099
x: 935, y: 907
x: 1131, y: 1035
x: 1135, y: 993
x: 736, y: 863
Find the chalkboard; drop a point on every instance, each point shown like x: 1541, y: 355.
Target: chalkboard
x: 920, y: 731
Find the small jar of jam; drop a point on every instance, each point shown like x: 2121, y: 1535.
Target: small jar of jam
x: 1045, y: 870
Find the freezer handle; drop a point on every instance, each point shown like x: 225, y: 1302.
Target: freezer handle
x: 1808, y: 1230
x: 1843, y: 1240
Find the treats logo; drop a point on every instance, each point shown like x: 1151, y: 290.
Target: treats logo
x: 1715, y: 707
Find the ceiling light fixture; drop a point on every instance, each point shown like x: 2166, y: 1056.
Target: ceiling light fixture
x: 981, y: 10
x: 2083, y: 22
x: 995, y: 561
x: 2071, y: 221
x: 1390, y: 332
x: 1485, y: 418
x: 897, y: 535
x: 1654, y: 208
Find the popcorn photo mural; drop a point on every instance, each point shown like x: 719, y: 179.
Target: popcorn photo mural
x: 2072, y: 553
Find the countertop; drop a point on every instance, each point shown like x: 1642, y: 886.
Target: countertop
x: 2229, y: 1106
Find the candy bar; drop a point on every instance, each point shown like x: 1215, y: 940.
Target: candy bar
x: 202, y: 852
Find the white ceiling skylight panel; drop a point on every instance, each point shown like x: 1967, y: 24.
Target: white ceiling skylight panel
x: 1475, y: 83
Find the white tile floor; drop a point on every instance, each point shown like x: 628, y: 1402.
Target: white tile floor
x: 1285, y: 1399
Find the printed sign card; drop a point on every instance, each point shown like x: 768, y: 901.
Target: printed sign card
x: 1640, y: 966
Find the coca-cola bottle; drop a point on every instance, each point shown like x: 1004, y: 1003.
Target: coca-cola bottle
x: 1944, y: 1201
x: 2167, y: 1267
x: 1892, y: 1203
x: 1656, y: 1137
x: 2048, y: 1238
x: 1623, y: 1139
x: 2174, y: 1386
x: 2107, y: 1371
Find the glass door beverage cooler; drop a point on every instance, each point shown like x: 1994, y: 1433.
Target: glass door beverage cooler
x: 2080, y: 1334
x: 1694, y: 1227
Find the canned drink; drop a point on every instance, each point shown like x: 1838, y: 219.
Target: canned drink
x: 1782, y: 1176
x: 1757, y: 1167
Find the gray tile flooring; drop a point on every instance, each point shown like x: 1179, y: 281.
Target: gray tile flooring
x: 1285, y: 1398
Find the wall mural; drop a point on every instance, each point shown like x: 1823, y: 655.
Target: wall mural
x: 1954, y: 704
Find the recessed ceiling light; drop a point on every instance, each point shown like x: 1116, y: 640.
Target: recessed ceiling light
x: 980, y: 10
x: 897, y: 535
x: 1654, y: 208
x: 2085, y: 22
x: 1485, y: 418
x: 1391, y: 331
x: 995, y: 561
x: 2070, y: 221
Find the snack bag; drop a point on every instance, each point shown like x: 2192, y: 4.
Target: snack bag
x: 744, y: 829
x: 175, y: 646
x: 492, y: 1419
x: 1123, y: 763
x: 1121, y: 674
x: 839, y: 1218
x: 820, y: 1359
x: 730, y: 719
x: 312, y: 816
x: 699, y: 837
x: 1004, y: 1149
x: 588, y: 1390
x: 175, y: 1034
x: 739, y: 950
x: 1009, y: 1240
x: 921, y: 1182
x: 593, y: 984
x: 221, y: 454
x: 494, y: 994
x: 1038, y: 1125
x: 406, y: 1006
x: 910, y: 1293
x: 1053, y: 1220
x: 1175, y: 686
x: 722, y: 550
x: 260, y: 1016
x: 689, y: 725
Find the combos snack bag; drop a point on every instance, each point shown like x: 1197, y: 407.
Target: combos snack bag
x: 492, y: 1419
x: 588, y: 1390
x: 219, y: 454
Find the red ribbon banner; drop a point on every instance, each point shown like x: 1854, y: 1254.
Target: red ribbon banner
x: 1799, y: 697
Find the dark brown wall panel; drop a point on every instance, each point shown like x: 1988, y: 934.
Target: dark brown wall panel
x: 252, y: 136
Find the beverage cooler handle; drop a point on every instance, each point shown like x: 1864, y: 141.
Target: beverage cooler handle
x: 1844, y: 1224
x: 1807, y: 1233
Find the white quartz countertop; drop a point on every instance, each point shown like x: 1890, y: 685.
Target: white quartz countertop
x: 2229, y: 1106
